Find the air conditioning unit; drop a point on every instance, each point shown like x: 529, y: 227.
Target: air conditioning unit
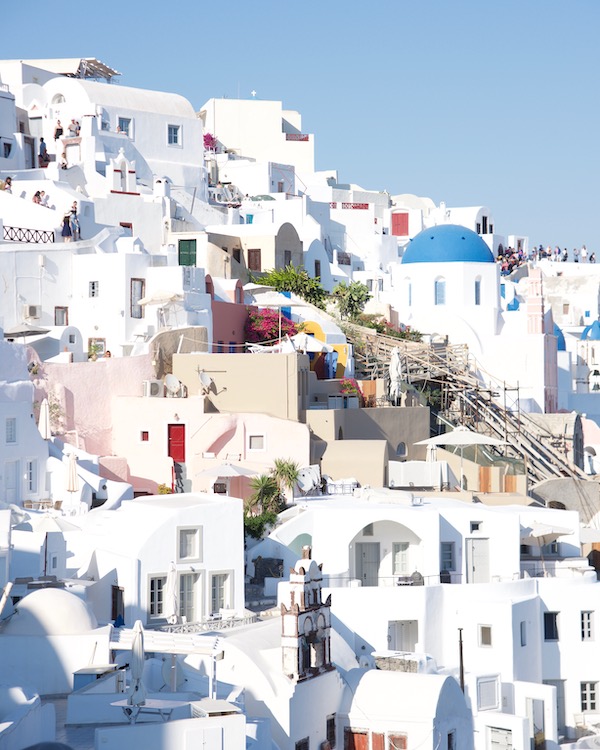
x: 154, y: 388
x: 32, y: 311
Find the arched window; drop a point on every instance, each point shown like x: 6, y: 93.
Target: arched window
x: 401, y: 450
x: 440, y: 291
x: 477, y: 291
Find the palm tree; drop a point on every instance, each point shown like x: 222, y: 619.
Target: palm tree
x: 286, y: 473
x: 265, y: 494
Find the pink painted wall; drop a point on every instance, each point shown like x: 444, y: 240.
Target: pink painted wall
x: 229, y: 320
x: 85, y: 392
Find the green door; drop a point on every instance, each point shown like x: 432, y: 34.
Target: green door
x: 187, y: 252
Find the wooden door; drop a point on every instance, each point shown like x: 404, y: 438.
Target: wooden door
x: 177, y: 442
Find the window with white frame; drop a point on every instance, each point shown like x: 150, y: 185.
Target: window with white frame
x: 174, y: 135
x: 11, y: 430
x: 157, y: 595
x: 400, y: 558
x: 588, y: 696
x: 447, y: 561
x: 190, y: 543
x: 587, y: 622
x: 94, y: 289
x: 488, y: 694
x: 187, y: 596
x: 31, y: 475
x: 219, y: 592
x: 485, y: 635
x: 440, y: 292
x: 125, y: 125
x: 550, y: 626
x: 256, y: 442
x: 137, y: 290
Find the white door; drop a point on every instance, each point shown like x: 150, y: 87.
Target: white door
x: 560, y: 704
x: 403, y: 635
x: 11, y: 472
x: 367, y: 563
x: 500, y: 739
x: 478, y: 561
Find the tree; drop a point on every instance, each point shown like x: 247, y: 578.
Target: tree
x: 297, y: 281
x: 265, y: 494
x: 351, y: 298
x: 286, y: 473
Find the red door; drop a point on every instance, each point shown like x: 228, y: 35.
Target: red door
x: 177, y: 442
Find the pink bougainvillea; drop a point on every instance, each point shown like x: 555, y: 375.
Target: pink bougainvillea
x: 263, y: 325
x: 210, y: 142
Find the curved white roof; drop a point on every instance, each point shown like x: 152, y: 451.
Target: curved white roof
x: 374, y: 694
x: 50, y: 612
x: 111, y: 95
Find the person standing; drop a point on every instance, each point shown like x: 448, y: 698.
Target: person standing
x: 43, y: 157
x: 584, y: 254
x: 58, y: 130
x: 575, y: 255
x: 74, y: 222
x: 66, y: 233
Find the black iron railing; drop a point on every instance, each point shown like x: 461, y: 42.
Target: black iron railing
x: 21, y: 234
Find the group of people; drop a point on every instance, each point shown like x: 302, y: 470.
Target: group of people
x: 562, y: 256
x: 71, y: 229
x: 73, y: 129
x: 40, y: 198
x: 510, y: 259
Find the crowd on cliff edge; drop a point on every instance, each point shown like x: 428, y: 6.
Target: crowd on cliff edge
x: 510, y: 258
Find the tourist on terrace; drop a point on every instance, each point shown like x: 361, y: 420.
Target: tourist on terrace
x: 592, y: 257
x: 73, y: 129
x: 66, y: 233
x: 7, y: 185
x: 43, y: 157
x: 74, y: 222
x: 58, y: 130
x: 37, y: 198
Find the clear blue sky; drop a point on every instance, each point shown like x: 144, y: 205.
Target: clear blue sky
x: 474, y: 102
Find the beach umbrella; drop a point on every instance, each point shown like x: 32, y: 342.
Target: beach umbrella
x: 72, y: 478
x: 171, y: 599
x: 44, y: 420
x: 461, y: 437
x: 137, y: 693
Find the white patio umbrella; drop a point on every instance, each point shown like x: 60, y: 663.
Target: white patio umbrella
x: 306, y: 343
x: 137, y: 693
x: 22, y: 330
x: 541, y: 534
x: 46, y: 522
x: 395, y: 375
x: 171, y: 600
x: 72, y: 478
x: 277, y: 300
x: 227, y: 470
x: 461, y: 437
x: 160, y: 298
x: 44, y: 420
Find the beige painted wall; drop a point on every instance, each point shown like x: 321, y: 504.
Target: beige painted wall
x: 365, y: 460
x: 395, y: 425
x: 275, y: 384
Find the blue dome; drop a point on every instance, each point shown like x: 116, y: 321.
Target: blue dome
x: 560, y: 344
x: 592, y: 332
x: 447, y: 243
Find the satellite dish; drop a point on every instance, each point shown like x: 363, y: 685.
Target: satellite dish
x: 206, y: 381
x: 168, y: 676
x: 172, y: 384
x: 307, y: 480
